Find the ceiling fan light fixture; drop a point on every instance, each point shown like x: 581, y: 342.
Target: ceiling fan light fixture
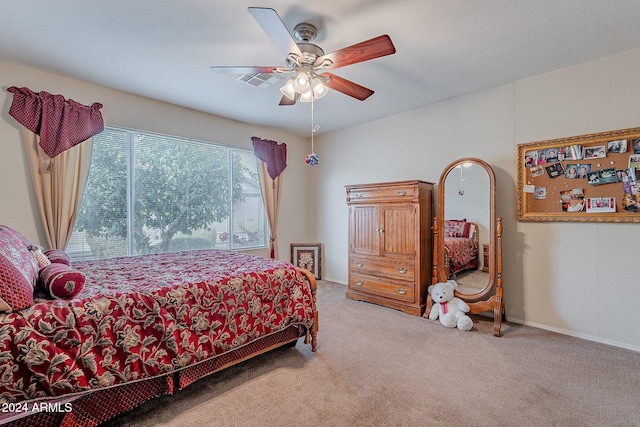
x: 301, y: 82
x: 288, y: 89
x: 314, y: 87
x: 306, y: 96
x: 319, y: 88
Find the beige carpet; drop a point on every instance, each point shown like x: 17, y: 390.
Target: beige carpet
x: 379, y: 367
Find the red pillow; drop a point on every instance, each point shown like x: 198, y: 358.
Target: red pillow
x: 58, y: 256
x: 62, y: 281
x: 466, y: 231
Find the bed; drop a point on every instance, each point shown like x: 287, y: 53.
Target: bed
x: 102, y: 337
x: 461, y: 246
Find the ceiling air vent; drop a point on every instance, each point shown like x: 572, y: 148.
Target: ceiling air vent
x: 261, y: 80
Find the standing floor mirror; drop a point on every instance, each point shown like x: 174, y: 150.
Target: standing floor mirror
x: 468, y: 237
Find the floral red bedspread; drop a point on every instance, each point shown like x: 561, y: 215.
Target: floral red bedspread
x: 139, y: 317
x: 462, y: 250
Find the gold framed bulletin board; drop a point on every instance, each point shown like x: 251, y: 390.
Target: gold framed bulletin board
x: 587, y: 178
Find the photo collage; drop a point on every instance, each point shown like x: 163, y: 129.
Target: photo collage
x: 589, y: 165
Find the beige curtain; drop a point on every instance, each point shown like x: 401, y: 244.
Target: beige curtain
x: 271, y: 195
x: 59, y: 184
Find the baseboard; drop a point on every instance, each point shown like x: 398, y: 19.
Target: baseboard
x: 339, y: 282
x: 576, y: 334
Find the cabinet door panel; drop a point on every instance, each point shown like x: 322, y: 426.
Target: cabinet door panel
x: 365, y: 238
x: 399, y: 225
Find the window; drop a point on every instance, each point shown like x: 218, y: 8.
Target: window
x: 150, y: 193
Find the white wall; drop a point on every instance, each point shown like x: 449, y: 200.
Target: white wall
x: 18, y: 208
x: 590, y: 286
x: 578, y: 279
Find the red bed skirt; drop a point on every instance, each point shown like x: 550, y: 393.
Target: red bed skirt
x: 91, y: 409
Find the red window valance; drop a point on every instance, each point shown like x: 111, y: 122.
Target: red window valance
x: 272, y: 153
x: 60, y: 123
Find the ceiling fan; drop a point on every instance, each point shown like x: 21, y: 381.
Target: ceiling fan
x: 308, y: 62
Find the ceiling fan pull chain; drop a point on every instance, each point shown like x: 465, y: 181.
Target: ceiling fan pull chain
x: 313, y: 129
x: 312, y: 159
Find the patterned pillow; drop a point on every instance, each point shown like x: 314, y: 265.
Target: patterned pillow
x: 456, y: 228
x: 58, y: 256
x: 18, y: 271
x: 61, y: 281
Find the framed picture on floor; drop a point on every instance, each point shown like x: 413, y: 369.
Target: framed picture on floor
x: 308, y: 256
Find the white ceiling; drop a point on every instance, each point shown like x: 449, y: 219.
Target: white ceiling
x: 163, y: 49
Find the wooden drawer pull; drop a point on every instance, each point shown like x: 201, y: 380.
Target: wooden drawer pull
x: 359, y: 282
x: 402, y: 270
x: 359, y: 264
x: 402, y: 291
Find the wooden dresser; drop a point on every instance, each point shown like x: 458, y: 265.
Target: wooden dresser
x: 390, y: 243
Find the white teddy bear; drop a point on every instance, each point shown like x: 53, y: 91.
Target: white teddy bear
x: 449, y: 308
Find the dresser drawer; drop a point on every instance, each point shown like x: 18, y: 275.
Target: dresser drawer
x: 396, y: 193
x: 400, y: 270
x: 383, y: 287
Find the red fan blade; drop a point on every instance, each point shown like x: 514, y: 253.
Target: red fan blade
x: 275, y: 28
x: 364, y: 51
x: 243, y: 70
x: 288, y: 101
x: 348, y: 87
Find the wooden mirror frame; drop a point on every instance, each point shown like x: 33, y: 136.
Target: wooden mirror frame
x: 480, y: 301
